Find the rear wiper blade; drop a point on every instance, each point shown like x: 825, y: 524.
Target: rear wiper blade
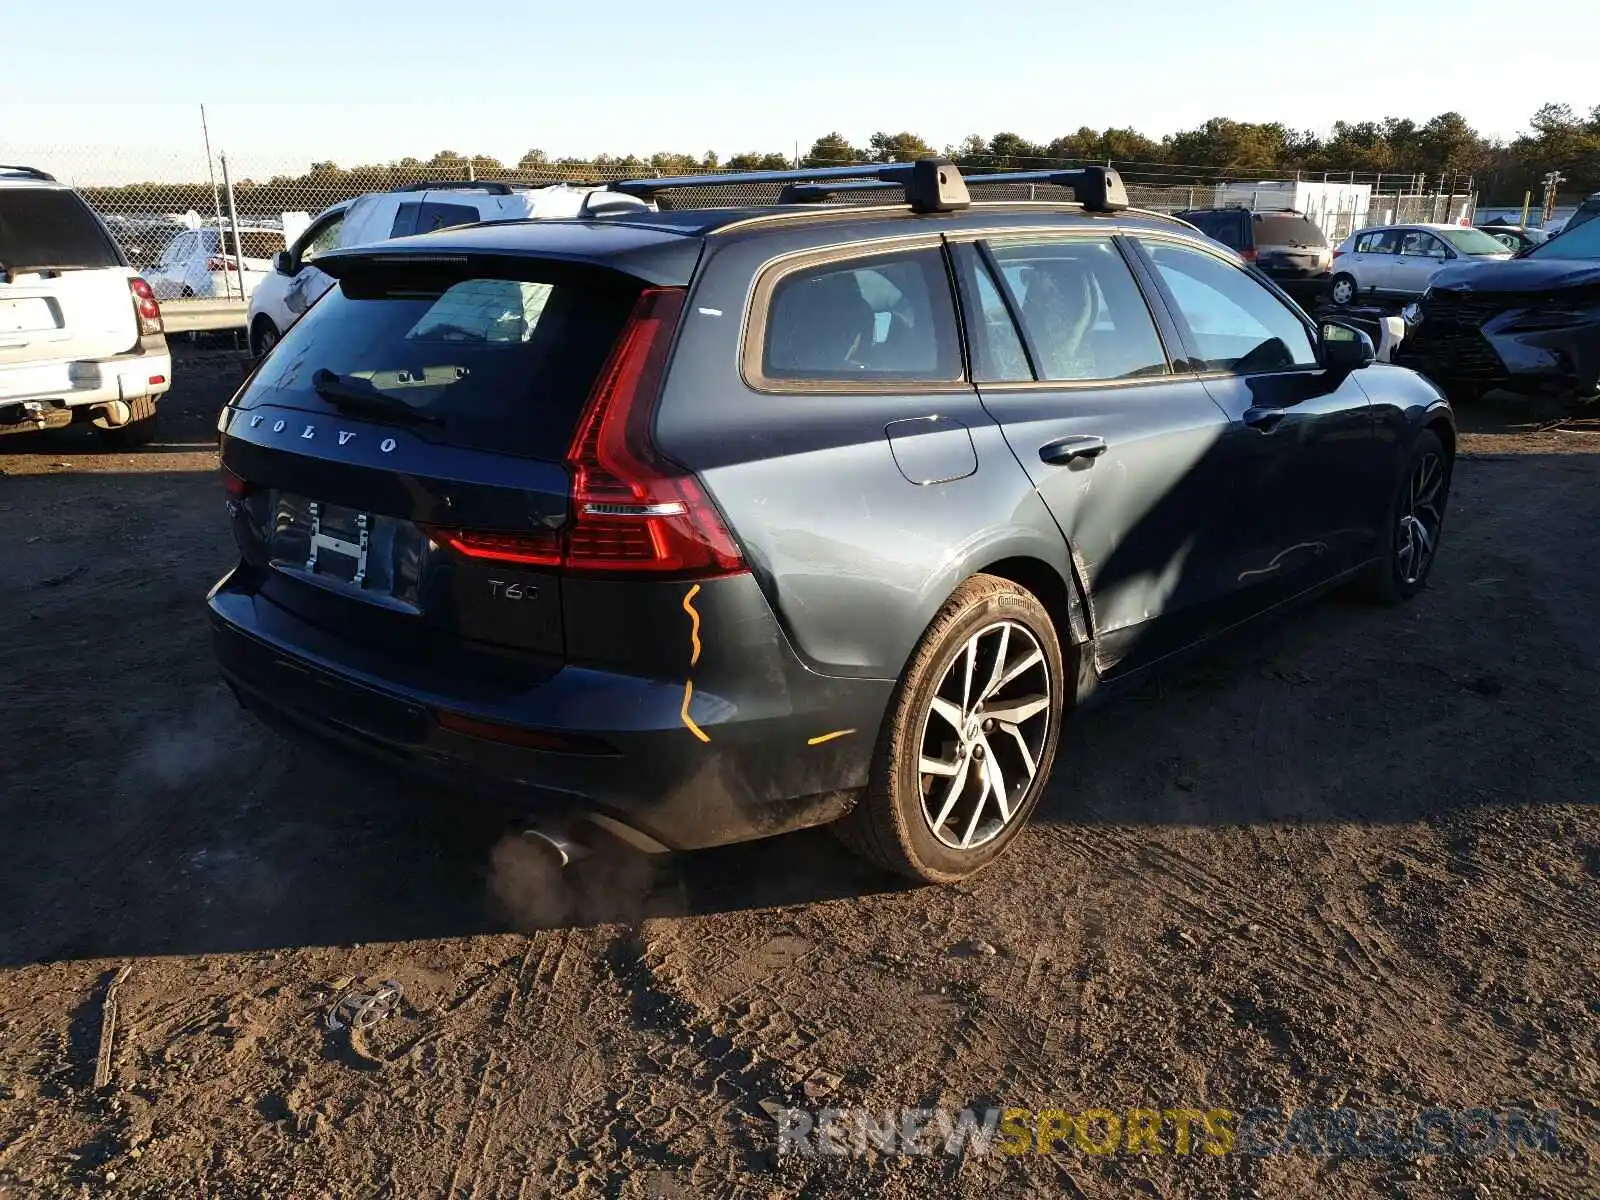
x: 346, y: 393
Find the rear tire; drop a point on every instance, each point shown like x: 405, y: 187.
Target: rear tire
x: 980, y: 703
x: 140, y: 430
x: 1342, y: 289
x: 1416, y: 523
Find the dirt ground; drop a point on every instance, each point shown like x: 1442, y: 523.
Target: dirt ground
x: 1350, y: 860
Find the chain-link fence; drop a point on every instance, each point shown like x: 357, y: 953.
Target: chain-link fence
x: 157, y: 206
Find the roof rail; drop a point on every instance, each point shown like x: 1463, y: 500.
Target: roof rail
x: 1098, y: 189
x: 930, y: 184
x: 498, y: 187
x: 32, y: 172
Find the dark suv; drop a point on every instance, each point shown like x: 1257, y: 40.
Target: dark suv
x: 710, y: 523
x: 1287, y: 246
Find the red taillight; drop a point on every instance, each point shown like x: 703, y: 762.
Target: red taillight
x: 533, y: 549
x: 1338, y: 253
x: 1248, y: 255
x: 632, y: 510
x: 146, y: 306
x: 220, y: 264
x: 236, y: 486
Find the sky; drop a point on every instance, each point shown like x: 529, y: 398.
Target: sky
x: 290, y: 82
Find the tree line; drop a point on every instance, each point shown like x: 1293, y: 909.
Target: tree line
x: 1444, y: 152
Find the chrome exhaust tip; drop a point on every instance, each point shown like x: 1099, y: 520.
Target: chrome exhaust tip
x: 558, y: 843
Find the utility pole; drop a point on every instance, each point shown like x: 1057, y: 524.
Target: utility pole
x: 1551, y: 182
x: 216, y: 196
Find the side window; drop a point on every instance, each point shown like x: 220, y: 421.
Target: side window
x: 322, y: 239
x: 1081, y: 308
x: 881, y: 318
x: 178, y: 249
x: 1421, y: 245
x: 1237, y: 325
x: 443, y: 216
x: 405, y: 219
x: 1381, y: 241
x: 997, y: 352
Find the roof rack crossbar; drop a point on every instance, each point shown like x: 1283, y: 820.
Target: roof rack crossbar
x: 1098, y: 189
x: 930, y: 184
x: 33, y: 172
x: 496, y: 186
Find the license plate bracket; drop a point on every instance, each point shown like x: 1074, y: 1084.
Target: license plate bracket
x: 328, y: 546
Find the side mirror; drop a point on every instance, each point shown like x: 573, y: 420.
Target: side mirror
x: 1345, y: 348
x: 283, y: 263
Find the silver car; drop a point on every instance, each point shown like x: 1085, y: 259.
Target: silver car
x: 1399, y: 260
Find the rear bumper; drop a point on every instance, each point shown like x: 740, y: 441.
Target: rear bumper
x: 91, y: 381
x: 760, y: 763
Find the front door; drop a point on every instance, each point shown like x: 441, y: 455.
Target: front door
x: 1305, y: 505
x: 308, y: 283
x: 1123, y: 448
x: 1421, y: 254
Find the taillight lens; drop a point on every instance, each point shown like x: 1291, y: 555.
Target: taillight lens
x: 220, y: 264
x: 633, y: 511
x: 146, y: 307
x: 1248, y: 255
x: 235, y: 485
x: 531, y: 549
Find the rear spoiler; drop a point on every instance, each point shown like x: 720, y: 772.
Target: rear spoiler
x: 657, y: 258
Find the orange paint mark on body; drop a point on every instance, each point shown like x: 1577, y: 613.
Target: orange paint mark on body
x: 828, y: 737
x: 694, y: 629
x: 688, y: 721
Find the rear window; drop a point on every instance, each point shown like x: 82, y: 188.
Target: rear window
x: 51, y: 227
x: 1273, y: 229
x: 485, y: 362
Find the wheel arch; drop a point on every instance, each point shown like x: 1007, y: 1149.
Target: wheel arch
x: 1442, y: 427
x: 261, y: 319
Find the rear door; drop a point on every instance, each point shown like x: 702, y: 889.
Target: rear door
x: 63, y: 287
x: 1374, y: 259
x: 411, y: 419
x: 1305, y: 501
x: 1127, y: 450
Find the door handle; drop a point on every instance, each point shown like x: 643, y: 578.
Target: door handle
x: 1263, y: 419
x: 1064, y: 450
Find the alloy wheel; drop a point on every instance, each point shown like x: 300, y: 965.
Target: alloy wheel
x: 984, y: 733
x: 1343, y: 291
x: 1421, y: 516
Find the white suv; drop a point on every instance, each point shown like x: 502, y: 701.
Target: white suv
x: 295, y: 284
x: 80, y: 332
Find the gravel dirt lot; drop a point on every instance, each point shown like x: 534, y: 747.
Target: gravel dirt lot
x: 1351, y: 859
